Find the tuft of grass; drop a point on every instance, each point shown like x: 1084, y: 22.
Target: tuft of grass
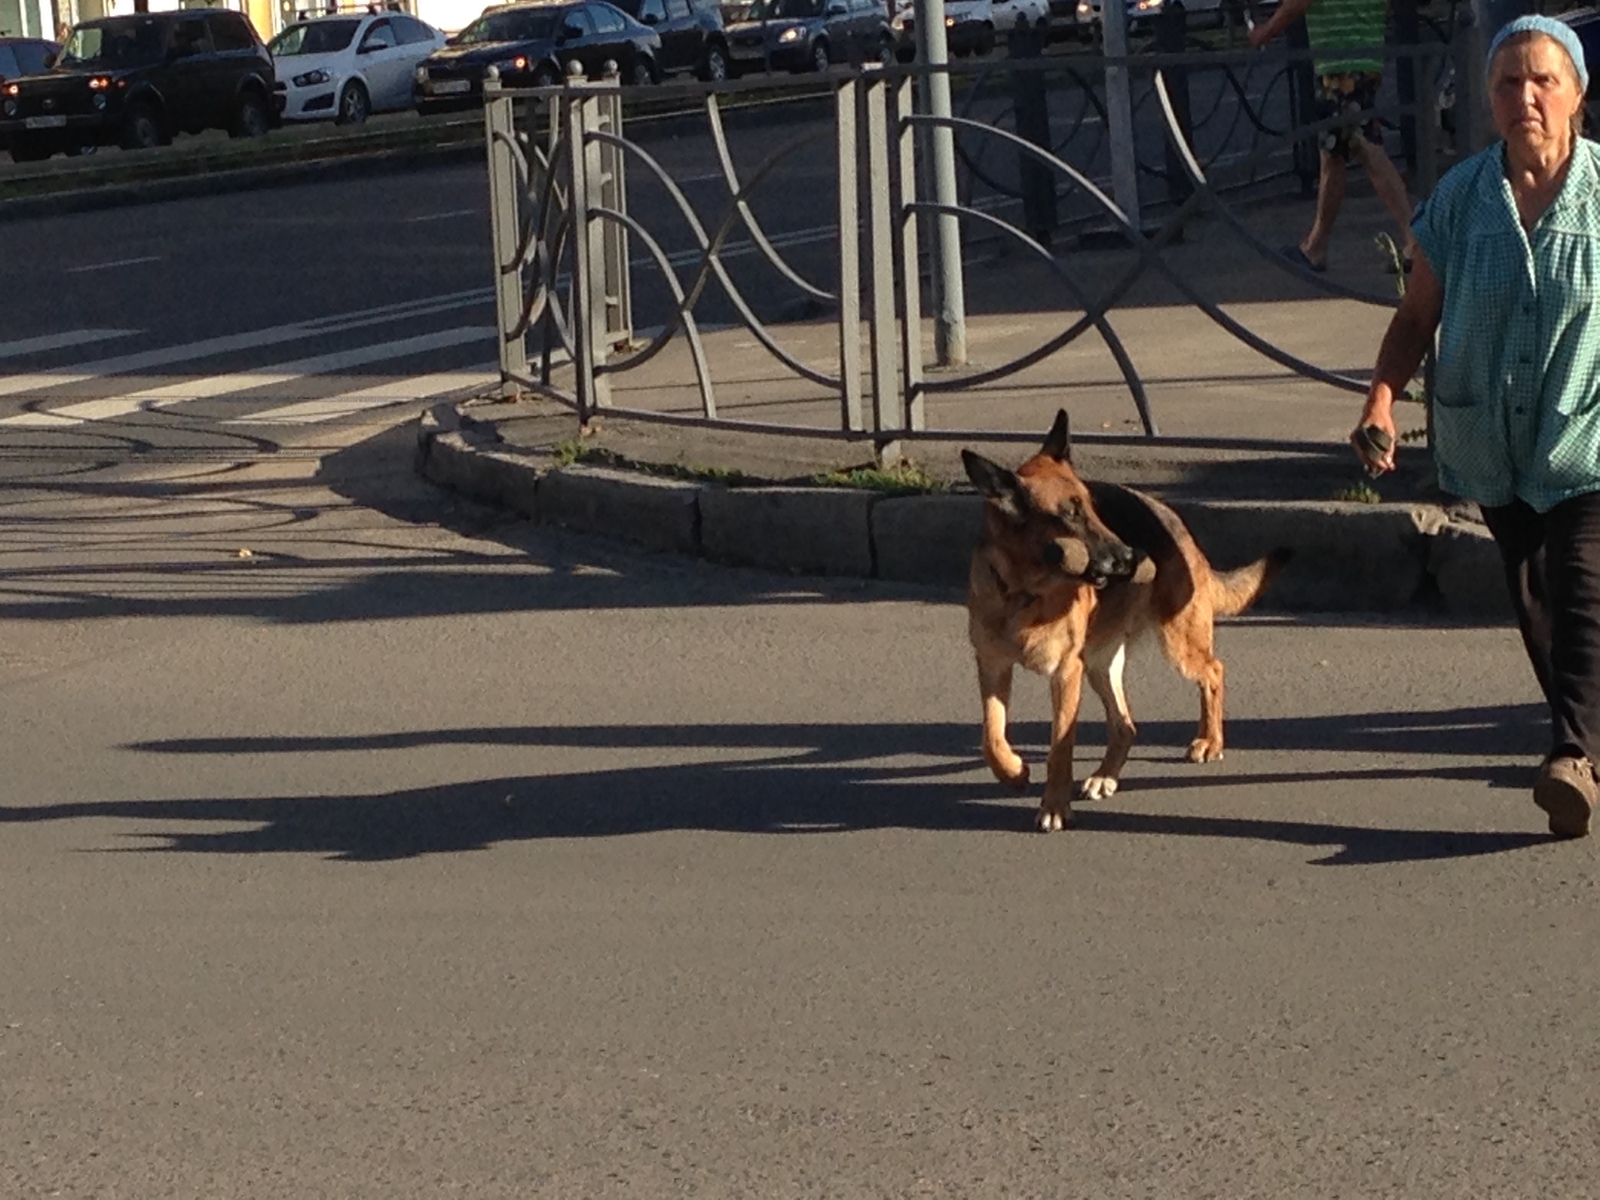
x: 1359, y: 493
x: 903, y: 479
x: 568, y: 452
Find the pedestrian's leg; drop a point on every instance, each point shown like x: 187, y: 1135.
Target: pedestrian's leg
x: 1519, y: 534
x: 1573, y: 570
x: 1391, y: 190
x: 1330, y: 195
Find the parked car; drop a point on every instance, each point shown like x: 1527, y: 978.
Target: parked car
x: 532, y: 45
x: 691, y: 33
x: 1142, y: 14
x: 24, y: 56
x: 349, y: 67
x: 968, y: 28
x: 810, y: 35
x: 135, y: 81
x: 1018, y: 14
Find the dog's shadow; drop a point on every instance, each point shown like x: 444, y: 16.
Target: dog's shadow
x: 826, y: 778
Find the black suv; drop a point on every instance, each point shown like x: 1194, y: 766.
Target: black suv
x: 690, y: 32
x: 136, y: 80
x: 808, y: 35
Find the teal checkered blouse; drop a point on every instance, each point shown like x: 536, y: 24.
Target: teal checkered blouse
x: 1516, y: 408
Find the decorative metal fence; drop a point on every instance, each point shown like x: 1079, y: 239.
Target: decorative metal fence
x: 561, y: 162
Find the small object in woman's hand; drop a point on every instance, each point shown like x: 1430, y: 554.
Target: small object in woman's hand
x: 1375, y: 444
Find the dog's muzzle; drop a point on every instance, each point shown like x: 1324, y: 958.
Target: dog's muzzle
x: 1098, y: 568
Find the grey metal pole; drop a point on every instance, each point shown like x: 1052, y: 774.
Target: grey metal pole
x: 949, y: 292
x: 1119, y: 110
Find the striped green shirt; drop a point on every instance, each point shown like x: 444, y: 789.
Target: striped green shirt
x: 1340, y: 24
x: 1516, y: 407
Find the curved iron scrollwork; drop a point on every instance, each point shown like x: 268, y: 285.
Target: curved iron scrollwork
x: 564, y: 228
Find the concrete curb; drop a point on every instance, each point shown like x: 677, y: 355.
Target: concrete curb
x: 1349, y: 557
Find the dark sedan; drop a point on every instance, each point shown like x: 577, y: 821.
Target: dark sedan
x: 809, y: 35
x: 532, y: 46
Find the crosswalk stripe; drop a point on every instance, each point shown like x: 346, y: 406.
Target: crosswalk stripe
x: 328, y: 408
x: 61, y: 341
x: 224, y: 385
x: 276, y: 335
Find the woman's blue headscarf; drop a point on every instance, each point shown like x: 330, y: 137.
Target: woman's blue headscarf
x: 1551, y: 28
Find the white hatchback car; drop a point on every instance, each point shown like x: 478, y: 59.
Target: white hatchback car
x: 344, y: 68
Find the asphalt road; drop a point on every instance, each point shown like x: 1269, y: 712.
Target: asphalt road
x: 419, y: 854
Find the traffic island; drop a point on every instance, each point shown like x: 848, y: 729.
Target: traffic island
x: 1386, y: 558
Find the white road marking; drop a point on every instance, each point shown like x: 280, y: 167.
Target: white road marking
x: 224, y: 385
x: 444, y: 216
x: 61, y: 341
x: 106, y: 266
x: 12, y: 385
x: 399, y: 391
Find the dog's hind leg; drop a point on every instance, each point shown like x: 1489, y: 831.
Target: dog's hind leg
x: 1105, y: 677
x: 994, y: 684
x: 1187, y: 643
x: 1066, y: 691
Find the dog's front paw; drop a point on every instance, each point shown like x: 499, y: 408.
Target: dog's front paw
x: 1009, y: 769
x: 1098, y: 787
x: 1203, y: 750
x: 1051, y: 820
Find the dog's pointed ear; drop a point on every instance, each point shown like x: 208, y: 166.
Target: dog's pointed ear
x: 994, y: 482
x: 1058, y: 442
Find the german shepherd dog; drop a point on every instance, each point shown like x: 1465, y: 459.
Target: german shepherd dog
x: 1066, y: 576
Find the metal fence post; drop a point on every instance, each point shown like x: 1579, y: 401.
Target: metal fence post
x: 847, y: 106
x: 1172, y: 38
x: 1119, y: 111
x: 588, y: 252
x: 614, y: 195
x: 1029, y: 98
x: 881, y: 242
x: 499, y: 119
x: 905, y: 184
x: 949, y: 287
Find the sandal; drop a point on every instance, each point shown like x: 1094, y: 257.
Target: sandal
x: 1298, y: 257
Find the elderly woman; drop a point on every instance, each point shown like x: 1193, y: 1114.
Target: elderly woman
x: 1507, y: 274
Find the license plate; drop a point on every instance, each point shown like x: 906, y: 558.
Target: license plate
x: 449, y: 87
x: 45, y: 123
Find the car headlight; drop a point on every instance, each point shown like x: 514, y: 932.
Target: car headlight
x: 512, y: 65
x: 421, y: 75
x: 792, y: 34
x: 1145, y: 6
x: 311, y: 77
x: 1084, y: 9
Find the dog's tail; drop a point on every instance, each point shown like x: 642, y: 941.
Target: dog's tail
x: 1234, y: 591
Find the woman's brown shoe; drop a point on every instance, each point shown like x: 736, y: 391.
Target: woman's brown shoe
x: 1567, y: 791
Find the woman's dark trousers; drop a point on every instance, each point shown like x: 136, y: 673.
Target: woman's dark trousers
x: 1552, y: 563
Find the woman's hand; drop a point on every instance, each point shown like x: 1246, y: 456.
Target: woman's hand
x: 1375, y: 438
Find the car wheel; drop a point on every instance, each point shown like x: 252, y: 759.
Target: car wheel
x: 27, y: 150
x: 355, y: 106
x: 715, y: 69
x: 142, y: 128
x: 819, y: 57
x: 886, y: 53
x: 643, y: 74
x: 251, y: 119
